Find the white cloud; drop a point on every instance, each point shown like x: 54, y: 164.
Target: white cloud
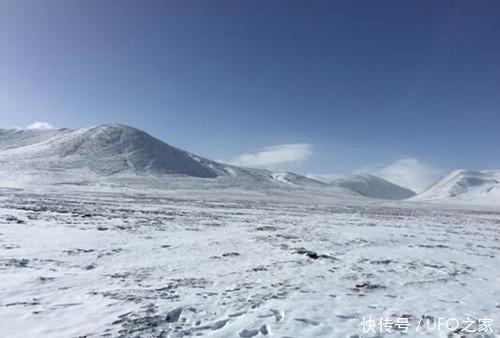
x: 275, y: 155
x: 40, y: 125
x: 407, y: 172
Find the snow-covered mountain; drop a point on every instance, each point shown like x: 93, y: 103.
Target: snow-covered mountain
x: 105, y: 150
x: 118, y: 152
x: 109, y: 150
x: 466, y: 186
x: 372, y: 186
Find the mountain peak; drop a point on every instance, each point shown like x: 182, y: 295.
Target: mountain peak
x: 113, y: 126
x: 465, y: 185
x: 111, y: 148
x: 104, y: 149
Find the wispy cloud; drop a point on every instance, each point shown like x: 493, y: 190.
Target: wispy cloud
x: 275, y: 155
x: 407, y: 172
x: 40, y: 125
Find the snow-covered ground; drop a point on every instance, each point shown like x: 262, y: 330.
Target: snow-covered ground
x: 110, y: 262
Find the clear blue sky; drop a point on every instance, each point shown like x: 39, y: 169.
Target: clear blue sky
x: 363, y: 82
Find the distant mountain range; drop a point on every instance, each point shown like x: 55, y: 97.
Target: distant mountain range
x: 116, y: 149
x: 119, y: 150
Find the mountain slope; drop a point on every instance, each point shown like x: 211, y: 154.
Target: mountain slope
x: 372, y: 186
x: 15, y: 138
x: 477, y: 187
x: 107, y: 150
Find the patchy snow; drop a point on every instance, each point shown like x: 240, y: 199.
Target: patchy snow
x: 80, y: 261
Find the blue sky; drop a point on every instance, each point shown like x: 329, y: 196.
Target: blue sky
x: 329, y: 87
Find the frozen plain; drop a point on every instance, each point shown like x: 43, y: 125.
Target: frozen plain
x: 81, y: 261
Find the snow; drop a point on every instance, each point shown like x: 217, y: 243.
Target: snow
x: 81, y: 261
x: 108, y: 232
x: 465, y: 187
x: 292, y: 179
x: 373, y: 186
x: 14, y: 138
x: 109, y: 150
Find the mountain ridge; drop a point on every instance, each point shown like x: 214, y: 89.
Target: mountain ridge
x: 111, y: 149
x: 115, y: 149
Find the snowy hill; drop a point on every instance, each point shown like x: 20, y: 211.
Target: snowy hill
x: 372, y: 186
x: 109, y: 150
x: 105, y: 150
x: 465, y: 186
